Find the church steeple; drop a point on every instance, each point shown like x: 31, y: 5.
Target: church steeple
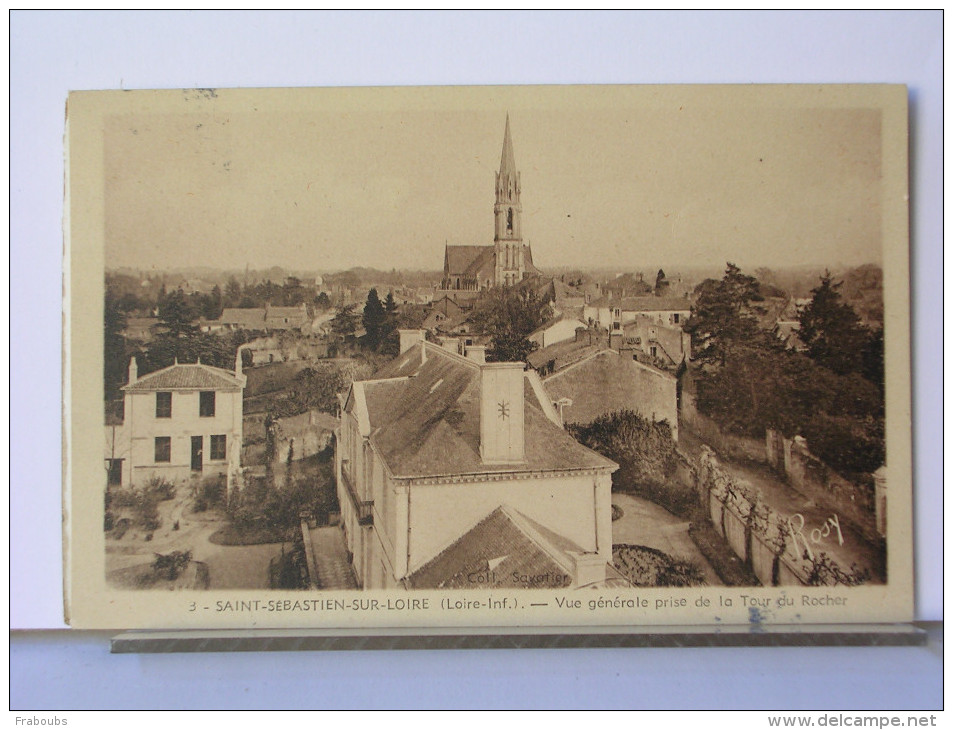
x: 507, y: 160
x: 508, y: 234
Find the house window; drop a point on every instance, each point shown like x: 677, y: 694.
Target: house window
x: 207, y: 403
x: 163, y: 449
x: 618, y: 313
x: 654, y: 351
x: 217, y: 448
x: 163, y: 405
x: 675, y: 318
x: 616, y: 325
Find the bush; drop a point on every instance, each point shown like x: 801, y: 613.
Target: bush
x: 644, y: 449
x: 210, y: 494
x: 289, y: 571
x: 846, y: 444
x: 647, y: 567
x: 171, y: 566
x: 160, y: 489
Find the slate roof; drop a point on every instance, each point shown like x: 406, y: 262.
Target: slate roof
x: 502, y: 544
x: 248, y: 318
x: 428, y: 425
x: 645, y: 304
x: 478, y: 262
x: 565, y: 353
x: 275, y: 316
x: 553, y: 320
x: 463, y: 259
x: 187, y: 377
x: 601, y: 384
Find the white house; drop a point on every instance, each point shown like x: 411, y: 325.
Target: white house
x: 455, y: 473
x: 557, y: 329
x: 614, y: 314
x: 181, y: 422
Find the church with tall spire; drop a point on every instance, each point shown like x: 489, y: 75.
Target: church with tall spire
x: 508, y: 260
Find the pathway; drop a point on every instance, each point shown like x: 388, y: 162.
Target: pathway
x: 330, y: 557
x: 645, y: 523
x: 229, y: 566
x: 787, y: 501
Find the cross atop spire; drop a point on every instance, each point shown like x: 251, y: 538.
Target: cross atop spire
x: 507, y: 160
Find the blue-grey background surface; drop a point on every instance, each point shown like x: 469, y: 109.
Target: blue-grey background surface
x: 52, y: 53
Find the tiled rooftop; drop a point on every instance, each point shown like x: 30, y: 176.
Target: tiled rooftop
x: 429, y: 424
x: 496, y: 553
x: 187, y: 377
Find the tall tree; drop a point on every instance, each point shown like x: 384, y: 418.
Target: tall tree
x: 177, y: 316
x: 722, y: 318
x: 508, y: 315
x: 831, y: 329
x: 322, y: 301
x: 373, y: 319
x: 114, y: 345
x: 345, y: 322
x: 390, y: 304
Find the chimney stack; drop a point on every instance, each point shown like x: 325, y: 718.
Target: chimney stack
x: 477, y: 353
x: 133, y: 371
x: 409, y: 338
x: 501, y: 413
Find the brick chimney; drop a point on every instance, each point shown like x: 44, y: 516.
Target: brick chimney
x: 409, y: 338
x: 501, y: 413
x: 133, y: 371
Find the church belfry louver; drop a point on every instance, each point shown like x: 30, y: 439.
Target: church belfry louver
x: 508, y: 261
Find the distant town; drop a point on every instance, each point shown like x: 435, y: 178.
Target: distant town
x: 494, y: 423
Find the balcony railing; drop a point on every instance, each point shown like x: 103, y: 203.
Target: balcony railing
x: 363, y: 508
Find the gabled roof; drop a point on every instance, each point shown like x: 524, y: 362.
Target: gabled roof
x: 566, y: 353
x: 428, y: 425
x: 299, y: 312
x: 248, y: 318
x: 502, y: 545
x: 188, y: 377
x: 554, y: 320
x: 458, y: 260
x: 644, y: 304
x: 600, y: 384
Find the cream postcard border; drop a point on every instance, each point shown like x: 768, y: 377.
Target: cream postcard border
x: 90, y: 603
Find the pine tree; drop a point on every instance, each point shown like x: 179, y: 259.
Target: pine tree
x: 373, y: 319
x: 722, y: 319
x: 831, y: 329
x: 177, y: 316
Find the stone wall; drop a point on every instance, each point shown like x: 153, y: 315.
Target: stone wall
x: 754, y: 532
x: 814, y: 479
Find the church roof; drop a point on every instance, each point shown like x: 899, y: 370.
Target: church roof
x: 507, y: 159
x: 459, y: 260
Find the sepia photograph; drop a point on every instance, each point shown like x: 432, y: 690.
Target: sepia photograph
x: 488, y: 356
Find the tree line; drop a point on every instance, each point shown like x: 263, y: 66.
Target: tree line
x: 832, y: 393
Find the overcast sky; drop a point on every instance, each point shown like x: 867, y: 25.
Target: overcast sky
x: 608, y: 181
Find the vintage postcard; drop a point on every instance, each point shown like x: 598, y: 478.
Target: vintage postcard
x: 487, y: 357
